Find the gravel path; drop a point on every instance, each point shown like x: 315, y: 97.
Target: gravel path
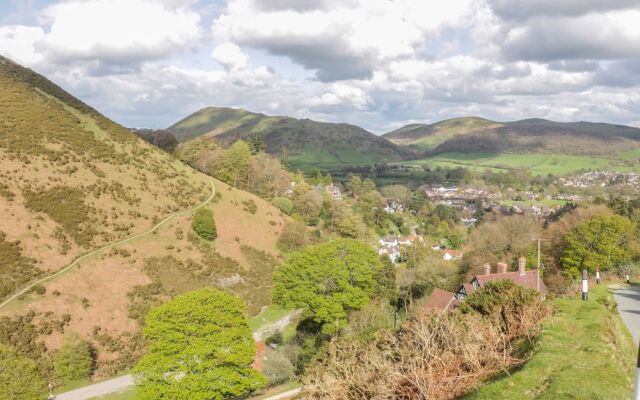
x: 628, y: 299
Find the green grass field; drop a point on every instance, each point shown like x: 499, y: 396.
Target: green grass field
x: 584, y: 352
x: 539, y: 164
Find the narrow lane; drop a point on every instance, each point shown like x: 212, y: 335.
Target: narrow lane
x: 628, y: 299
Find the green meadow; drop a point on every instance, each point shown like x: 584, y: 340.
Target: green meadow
x: 538, y: 164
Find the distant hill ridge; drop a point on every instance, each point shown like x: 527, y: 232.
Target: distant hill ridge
x: 307, y: 142
x: 534, y: 135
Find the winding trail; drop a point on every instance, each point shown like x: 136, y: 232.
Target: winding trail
x: 123, y: 241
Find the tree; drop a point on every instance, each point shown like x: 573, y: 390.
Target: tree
x: 601, y: 242
x: 74, y: 361
x: 328, y: 280
x: 233, y: 165
x: 200, y: 348
x: 20, y: 378
x: 204, y: 224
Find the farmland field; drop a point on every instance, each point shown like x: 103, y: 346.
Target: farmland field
x: 539, y: 164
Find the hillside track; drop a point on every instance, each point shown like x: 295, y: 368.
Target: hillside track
x: 107, y: 247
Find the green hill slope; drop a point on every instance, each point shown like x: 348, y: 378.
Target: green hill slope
x: 477, y: 135
x: 307, y: 143
x: 72, y: 181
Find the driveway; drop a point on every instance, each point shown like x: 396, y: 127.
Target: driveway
x: 628, y: 299
x: 98, y: 389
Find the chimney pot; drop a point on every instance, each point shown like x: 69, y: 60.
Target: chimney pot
x: 502, y: 268
x: 522, y: 263
x: 487, y: 269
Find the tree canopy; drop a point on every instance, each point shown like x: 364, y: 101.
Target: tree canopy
x: 74, y: 360
x: 20, y: 378
x: 329, y: 279
x: 601, y: 242
x: 200, y: 348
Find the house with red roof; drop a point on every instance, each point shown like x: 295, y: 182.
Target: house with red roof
x: 442, y: 300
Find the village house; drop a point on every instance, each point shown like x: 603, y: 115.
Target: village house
x: 444, y: 301
x: 451, y: 254
x: 390, y: 245
x: 333, y: 191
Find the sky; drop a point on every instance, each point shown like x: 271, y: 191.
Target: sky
x: 379, y: 64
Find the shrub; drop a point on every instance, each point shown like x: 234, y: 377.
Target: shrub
x: 74, y: 361
x: 285, y: 205
x: 250, y: 206
x: 293, y: 237
x: 277, y: 368
x: 204, y: 224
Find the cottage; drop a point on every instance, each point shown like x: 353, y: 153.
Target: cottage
x: 530, y: 279
x: 441, y: 301
x: 450, y: 254
x: 333, y: 191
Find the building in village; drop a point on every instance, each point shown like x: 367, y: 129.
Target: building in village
x: 333, y: 191
x: 530, y: 279
x: 391, y: 245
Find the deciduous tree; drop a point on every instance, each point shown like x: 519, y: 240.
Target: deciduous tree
x: 200, y: 348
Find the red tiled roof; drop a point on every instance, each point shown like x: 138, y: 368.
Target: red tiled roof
x: 440, y: 300
x: 528, y: 280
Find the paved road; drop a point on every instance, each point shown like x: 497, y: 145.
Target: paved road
x: 98, y: 389
x: 123, y: 241
x: 628, y: 299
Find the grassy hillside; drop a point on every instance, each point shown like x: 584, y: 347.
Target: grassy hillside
x: 584, y: 352
x: 474, y: 135
x: 72, y: 181
x: 307, y: 143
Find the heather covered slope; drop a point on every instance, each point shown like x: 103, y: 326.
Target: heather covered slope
x: 477, y: 135
x: 72, y: 181
x: 307, y: 143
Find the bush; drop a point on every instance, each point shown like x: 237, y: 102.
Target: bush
x: 293, y: 237
x: 204, y: 224
x: 434, y: 355
x: 285, y: 205
x: 74, y: 361
x: 250, y: 206
x: 277, y: 368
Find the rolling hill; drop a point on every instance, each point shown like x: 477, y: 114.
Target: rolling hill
x: 307, y: 143
x: 71, y: 182
x: 478, y: 135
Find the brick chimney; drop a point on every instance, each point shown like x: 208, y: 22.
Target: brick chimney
x: 522, y: 262
x: 502, y: 267
x: 487, y: 269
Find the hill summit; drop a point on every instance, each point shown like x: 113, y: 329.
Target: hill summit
x: 307, y: 143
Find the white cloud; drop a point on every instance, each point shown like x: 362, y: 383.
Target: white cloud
x: 17, y: 43
x: 230, y: 56
x: 347, y: 40
x: 118, y: 30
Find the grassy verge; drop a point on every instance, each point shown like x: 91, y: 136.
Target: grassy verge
x: 128, y: 394
x: 584, y: 352
x: 267, y: 317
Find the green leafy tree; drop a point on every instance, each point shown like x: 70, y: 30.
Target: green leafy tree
x: 20, y: 378
x: 328, y: 280
x: 204, y: 225
x: 285, y: 205
x: 601, y: 242
x: 233, y: 165
x: 200, y: 348
x: 74, y: 361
